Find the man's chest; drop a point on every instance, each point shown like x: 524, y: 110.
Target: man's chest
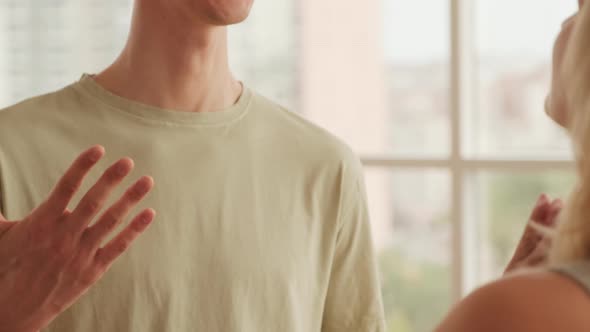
x: 220, y: 214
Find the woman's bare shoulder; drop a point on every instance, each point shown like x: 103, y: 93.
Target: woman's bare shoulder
x: 539, y: 301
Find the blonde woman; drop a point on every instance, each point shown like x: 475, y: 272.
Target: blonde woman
x: 556, y: 298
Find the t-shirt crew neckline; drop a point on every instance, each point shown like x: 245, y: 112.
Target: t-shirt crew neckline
x: 166, y: 116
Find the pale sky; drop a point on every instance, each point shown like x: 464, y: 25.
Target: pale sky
x: 418, y: 30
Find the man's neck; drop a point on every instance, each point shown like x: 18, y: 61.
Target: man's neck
x: 169, y: 62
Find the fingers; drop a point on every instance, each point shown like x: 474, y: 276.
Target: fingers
x: 539, y: 255
x: 95, y: 234
x: 541, y: 214
x: 546, y: 214
x: 95, y: 198
x: 106, y: 255
x: 552, y: 213
x: 541, y: 208
x: 71, y: 181
x: 532, y: 248
x: 5, y: 226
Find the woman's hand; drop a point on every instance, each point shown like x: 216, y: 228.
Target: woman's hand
x: 51, y: 257
x: 533, y: 247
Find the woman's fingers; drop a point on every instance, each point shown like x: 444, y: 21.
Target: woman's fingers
x: 541, y: 208
x: 544, y: 210
x: 553, y: 213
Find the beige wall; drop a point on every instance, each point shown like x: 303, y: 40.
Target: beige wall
x: 343, y: 85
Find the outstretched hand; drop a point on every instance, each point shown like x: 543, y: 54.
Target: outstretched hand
x: 53, y: 256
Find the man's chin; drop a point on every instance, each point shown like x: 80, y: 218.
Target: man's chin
x: 220, y: 17
x: 228, y: 20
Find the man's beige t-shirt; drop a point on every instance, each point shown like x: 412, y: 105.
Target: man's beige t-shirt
x: 261, y: 226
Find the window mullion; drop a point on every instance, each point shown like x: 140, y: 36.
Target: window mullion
x: 463, y: 232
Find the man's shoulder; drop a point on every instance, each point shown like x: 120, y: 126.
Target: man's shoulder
x: 34, y: 122
x: 293, y: 129
x: 31, y: 109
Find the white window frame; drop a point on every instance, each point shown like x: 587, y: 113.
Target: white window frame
x: 460, y: 166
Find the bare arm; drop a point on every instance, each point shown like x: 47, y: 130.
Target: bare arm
x: 51, y: 257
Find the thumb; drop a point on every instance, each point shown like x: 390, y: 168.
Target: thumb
x: 4, y: 224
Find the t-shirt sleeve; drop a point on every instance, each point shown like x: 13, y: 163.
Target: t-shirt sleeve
x: 354, y: 302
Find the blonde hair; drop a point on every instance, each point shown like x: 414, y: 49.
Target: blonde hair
x: 571, y: 239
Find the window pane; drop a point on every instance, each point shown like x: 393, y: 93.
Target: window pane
x: 505, y: 203
x: 412, y: 232
x: 49, y: 44
x: 417, y: 77
x: 513, y: 46
x: 264, y: 50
